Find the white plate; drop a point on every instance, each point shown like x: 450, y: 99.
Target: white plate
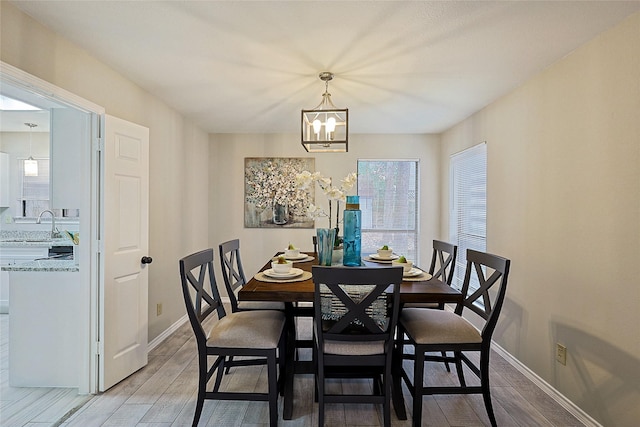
x: 295, y: 258
x: 294, y: 272
x: 413, y: 272
x: 378, y: 257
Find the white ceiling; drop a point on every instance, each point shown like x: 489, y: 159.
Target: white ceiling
x: 400, y: 67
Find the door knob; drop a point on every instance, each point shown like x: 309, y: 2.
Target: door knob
x: 146, y: 260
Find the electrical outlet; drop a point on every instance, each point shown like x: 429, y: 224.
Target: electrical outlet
x: 158, y: 309
x: 561, y: 353
x: 8, y: 219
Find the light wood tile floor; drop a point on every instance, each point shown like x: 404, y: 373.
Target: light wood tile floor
x: 164, y: 394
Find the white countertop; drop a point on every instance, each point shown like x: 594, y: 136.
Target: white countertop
x: 44, y: 265
x: 17, y: 243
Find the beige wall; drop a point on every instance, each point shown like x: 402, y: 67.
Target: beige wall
x: 227, y: 179
x: 564, y: 199
x: 564, y: 206
x: 178, y: 150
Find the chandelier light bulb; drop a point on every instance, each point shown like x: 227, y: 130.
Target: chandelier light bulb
x: 317, y: 126
x: 331, y: 124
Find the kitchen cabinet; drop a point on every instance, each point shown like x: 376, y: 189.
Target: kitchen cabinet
x: 70, y: 133
x: 46, y: 307
x: 4, y: 180
x: 12, y: 256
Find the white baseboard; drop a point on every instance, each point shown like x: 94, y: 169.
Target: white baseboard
x: 166, y: 333
x: 171, y: 329
x: 567, y: 404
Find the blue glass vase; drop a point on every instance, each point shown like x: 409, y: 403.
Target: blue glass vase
x: 326, y: 237
x: 352, y: 233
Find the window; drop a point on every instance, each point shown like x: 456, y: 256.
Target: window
x: 388, y: 191
x: 468, y: 207
x: 34, y: 193
x: 34, y: 190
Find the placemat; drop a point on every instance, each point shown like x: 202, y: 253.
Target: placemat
x: 421, y: 278
x: 306, y: 275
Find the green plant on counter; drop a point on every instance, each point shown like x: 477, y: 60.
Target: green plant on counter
x: 75, y: 237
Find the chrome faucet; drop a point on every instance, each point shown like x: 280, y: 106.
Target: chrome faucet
x: 54, y: 231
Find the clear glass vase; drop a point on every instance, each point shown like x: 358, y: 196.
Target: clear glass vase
x: 326, y: 238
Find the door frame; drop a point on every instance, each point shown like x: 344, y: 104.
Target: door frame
x: 90, y: 221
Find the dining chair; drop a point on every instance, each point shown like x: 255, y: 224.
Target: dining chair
x: 234, y: 279
x: 257, y: 336
x: 356, y: 312
x: 442, y: 267
x: 446, y: 331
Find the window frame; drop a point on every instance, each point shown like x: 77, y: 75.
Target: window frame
x: 415, y: 231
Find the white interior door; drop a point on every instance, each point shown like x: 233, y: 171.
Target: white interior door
x: 124, y: 313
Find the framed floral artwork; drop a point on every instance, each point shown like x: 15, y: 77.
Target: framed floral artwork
x: 272, y: 198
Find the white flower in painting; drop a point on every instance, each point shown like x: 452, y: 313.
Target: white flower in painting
x: 304, y: 179
x: 276, y: 181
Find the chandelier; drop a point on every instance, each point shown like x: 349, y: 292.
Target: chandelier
x: 325, y: 129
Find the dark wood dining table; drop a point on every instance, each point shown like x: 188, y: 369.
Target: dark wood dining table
x: 414, y: 290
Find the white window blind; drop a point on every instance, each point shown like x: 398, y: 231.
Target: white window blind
x: 34, y: 190
x: 388, y: 191
x: 468, y: 206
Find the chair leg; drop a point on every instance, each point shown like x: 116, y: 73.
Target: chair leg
x: 418, y: 387
x: 396, y: 376
x: 386, y: 386
x: 446, y: 364
x: 459, y: 369
x: 320, y: 395
x: 282, y: 351
x: 202, y: 388
x: 229, y: 365
x: 377, y: 388
x: 219, y: 374
x: 272, y: 375
x: 484, y: 384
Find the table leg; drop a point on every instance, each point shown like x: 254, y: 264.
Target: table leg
x: 289, y: 366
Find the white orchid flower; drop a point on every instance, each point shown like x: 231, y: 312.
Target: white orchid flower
x: 325, y: 183
x: 349, y: 181
x: 334, y: 194
x: 305, y: 179
x: 315, y: 212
